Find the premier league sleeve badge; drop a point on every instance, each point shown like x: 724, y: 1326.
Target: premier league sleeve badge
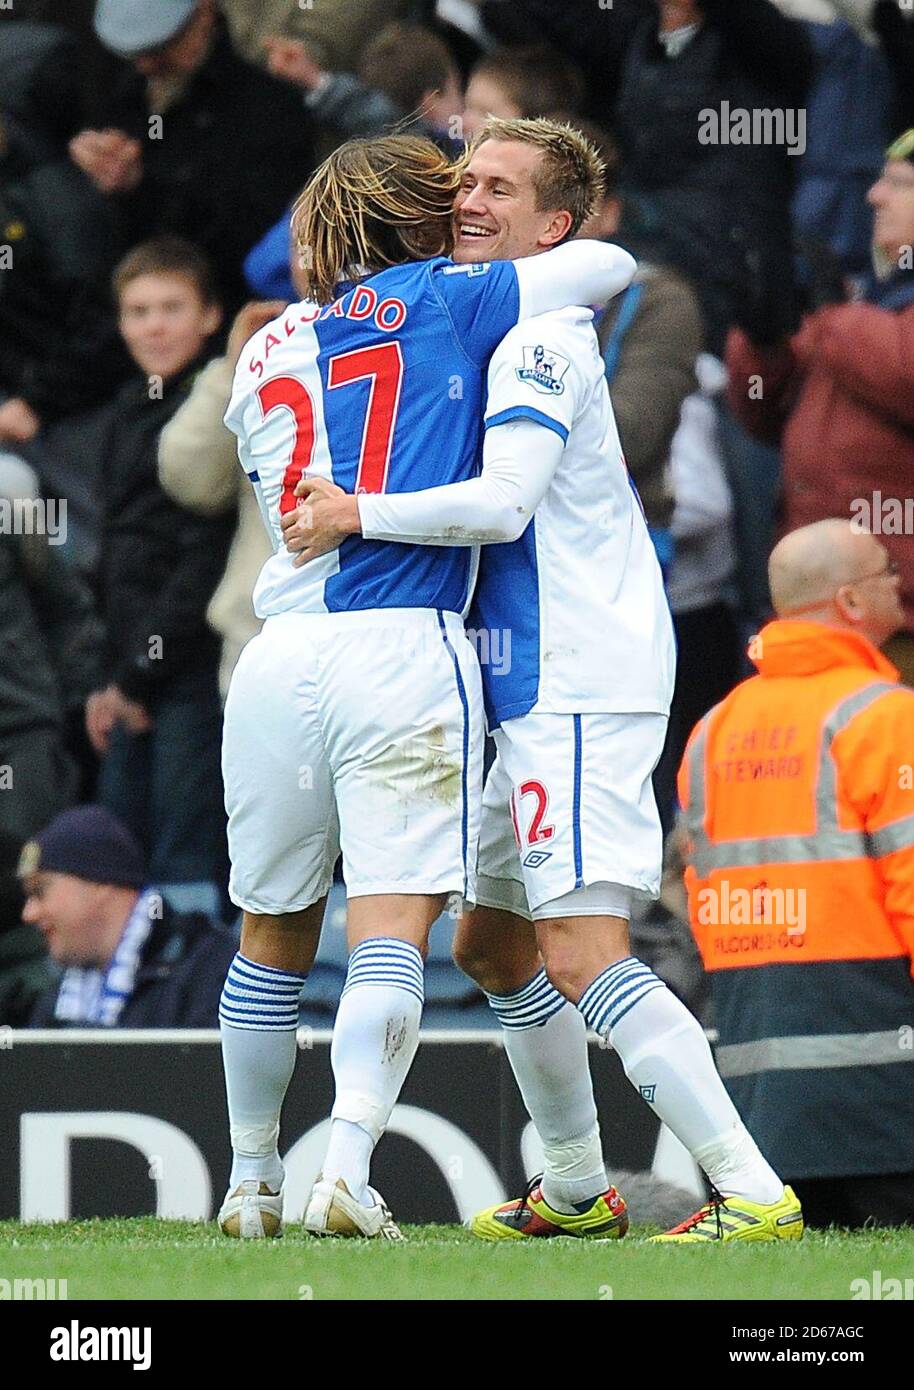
x: 543, y: 370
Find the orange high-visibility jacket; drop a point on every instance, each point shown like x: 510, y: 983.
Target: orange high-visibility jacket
x: 798, y: 796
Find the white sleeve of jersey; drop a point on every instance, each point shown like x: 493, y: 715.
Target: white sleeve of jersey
x: 580, y: 272
x: 539, y: 371
x: 518, y: 464
x: 531, y: 384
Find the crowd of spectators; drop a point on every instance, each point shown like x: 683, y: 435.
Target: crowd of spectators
x: 761, y: 366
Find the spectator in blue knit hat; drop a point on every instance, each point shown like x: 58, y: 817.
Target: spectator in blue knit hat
x: 128, y: 960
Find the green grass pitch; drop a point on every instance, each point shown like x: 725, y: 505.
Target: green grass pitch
x: 146, y: 1258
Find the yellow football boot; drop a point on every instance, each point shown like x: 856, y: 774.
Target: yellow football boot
x: 736, y: 1218
x: 605, y: 1219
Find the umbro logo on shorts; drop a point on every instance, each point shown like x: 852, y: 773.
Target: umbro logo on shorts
x: 536, y: 857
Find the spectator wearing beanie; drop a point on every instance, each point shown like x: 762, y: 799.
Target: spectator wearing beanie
x: 128, y: 960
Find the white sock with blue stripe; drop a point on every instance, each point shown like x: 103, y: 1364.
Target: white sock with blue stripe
x: 375, y: 1037
x: 666, y: 1056
x: 258, y: 1018
x: 546, y: 1044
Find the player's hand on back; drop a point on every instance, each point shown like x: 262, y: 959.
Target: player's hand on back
x: 324, y: 517
x: 248, y: 320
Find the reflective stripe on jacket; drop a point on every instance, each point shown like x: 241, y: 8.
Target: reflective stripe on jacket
x: 798, y: 796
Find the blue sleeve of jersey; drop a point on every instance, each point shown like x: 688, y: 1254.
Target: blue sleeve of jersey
x: 481, y: 301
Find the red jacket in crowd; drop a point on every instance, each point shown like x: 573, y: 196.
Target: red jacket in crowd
x: 839, y: 398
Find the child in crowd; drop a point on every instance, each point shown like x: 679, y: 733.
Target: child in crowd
x: 156, y: 721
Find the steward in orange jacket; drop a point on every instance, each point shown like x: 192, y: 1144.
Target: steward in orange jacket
x: 798, y: 797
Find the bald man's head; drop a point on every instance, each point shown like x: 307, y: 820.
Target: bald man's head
x: 834, y: 573
x: 810, y: 565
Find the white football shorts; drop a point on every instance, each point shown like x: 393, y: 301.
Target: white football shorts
x: 360, y: 732
x: 569, y: 803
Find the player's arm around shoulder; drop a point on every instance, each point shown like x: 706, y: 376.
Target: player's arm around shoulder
x: 484, y: 301
x: 577, y: 272
x: 535, y: 390
x: 519, y: 461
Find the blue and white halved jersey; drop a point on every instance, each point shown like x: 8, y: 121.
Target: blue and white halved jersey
x: 579, y: 596
x: 381, y: 391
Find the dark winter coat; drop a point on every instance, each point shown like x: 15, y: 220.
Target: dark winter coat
x: 233, y: 151
x: 59, y: 348
x: 49, y: 637
x: 179, y: 979
x: 159, y: 564
x: 25, y: 974
x: 720, y: 212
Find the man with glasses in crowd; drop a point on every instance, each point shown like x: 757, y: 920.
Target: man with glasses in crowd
x: 798, y: 791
